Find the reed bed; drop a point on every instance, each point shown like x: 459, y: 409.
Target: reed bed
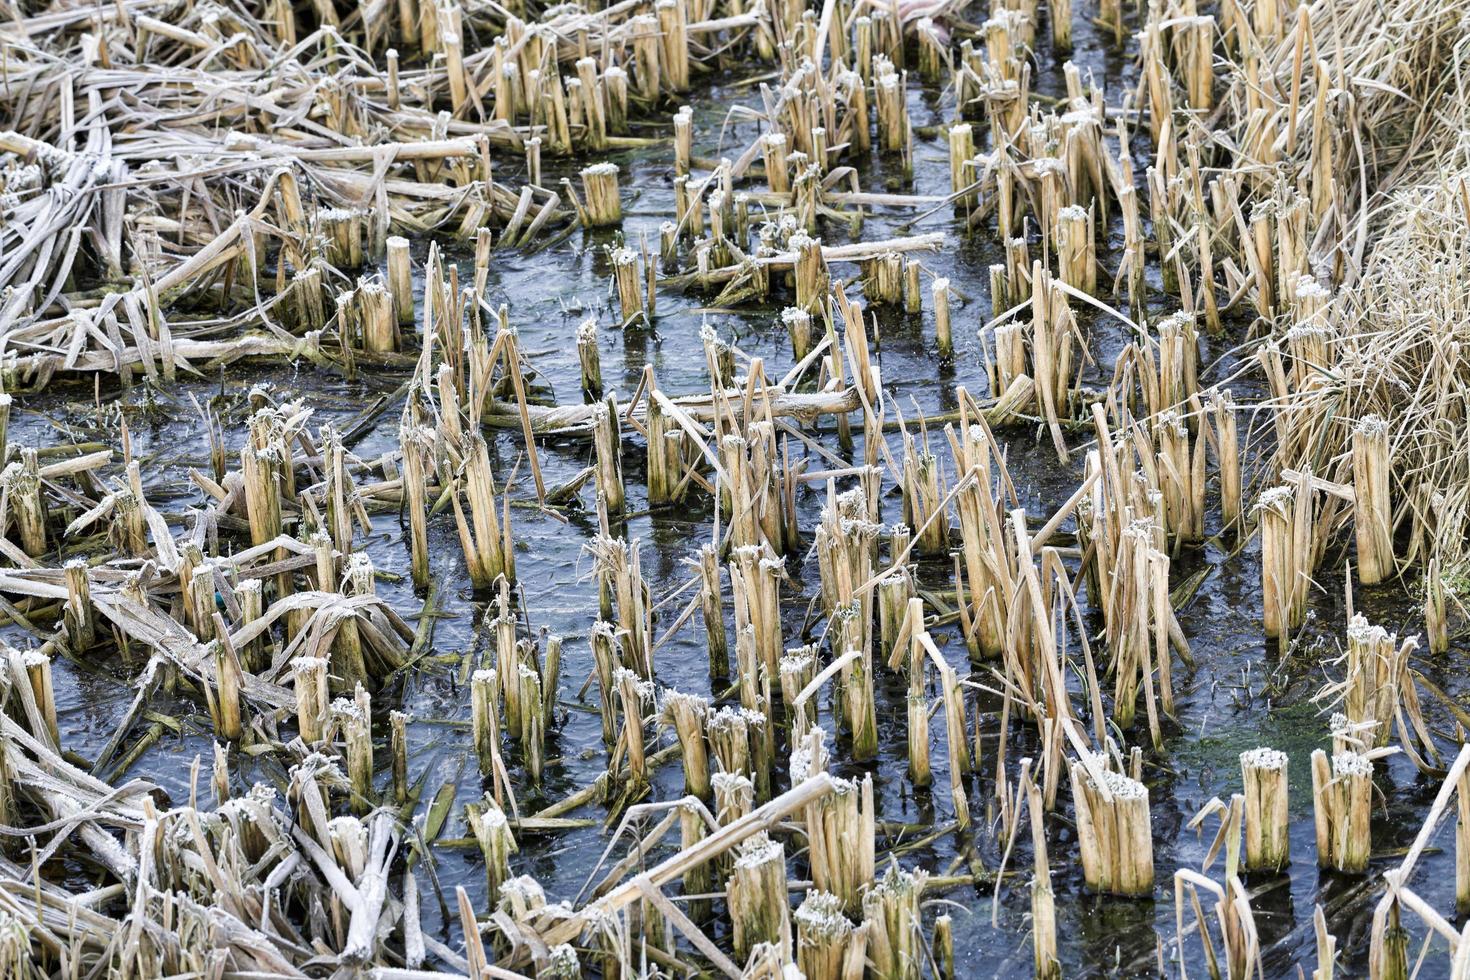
x: 908, y: 651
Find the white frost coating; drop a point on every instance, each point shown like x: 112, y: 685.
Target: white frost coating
x: 820, y: 917
x: 317, y: 762
x: 1309, y: 329
x: 1351, y: 764
x: 346, y: 828
x: 1050, y: 165
x: 601, y: 169
x: 360, y: 566
x: 345, y: 708
x: 758, y: 851
x: 1308, y: 287
x: 795, y: 661
x: 810, y: 755
x: 1372, y: 425
x: 1143, y: 528
x: 1119, y: 786
x: 494, y: 819
x: 800, y: 240
x: 644, y: 688
x: 1263, y: 758
x: 1361, y: 631
x: 563, y: 958
x: 523, y: 890
x: 1276, y: 498
x: 696, y: 703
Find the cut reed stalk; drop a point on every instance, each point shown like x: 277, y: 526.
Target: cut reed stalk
x: 1113, y: 832
x: 604, y: 203
x: 891, y: 915
x: 823, y: 936
x: 687, y: 713
x: 1372, y: 508
x: 497, y: 843
x: 590, y: 359
x: 312, y: 709
x: 756, y: 894
x: 712, y: 606
x: 1267, y: 820
x: 1342, y: 797
x: 607, y: 442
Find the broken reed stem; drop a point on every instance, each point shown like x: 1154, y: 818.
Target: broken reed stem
x: 229, y: 680
x: 861, y: 708
x: 1280, y: 564
x: 1342, y: 798
x: 1267, y: 820
x: 22, y: 483
x: 590, y: 359
x: 631, y: 694
x: 80, y: 619
x: 497, y: 843
x: 36, y: 665
x: 628, y: 282
x: 485, y: 718
x: 414, y: 443
x: 1436, y: 621
x: 1114, y: 835
x: 940, y: 290
x: 712, y: 606
x: 607, y: 442
x: 604, y: 204
x: 1227, y: 441
x: 1372, y: 508
x: 486, y: 542
x: 311, y: 698
x: 1462, y: 845
x: 798, y: 668
x: 891, y: 915
x: 824, y: 937
x: 533, y: 713
x: 1043, y: 900
x: 687, y: 713
x: 756, y: 895
x: 942, y: 948
x: 1376, y: 663
x: 355, y: 720
x: 398, y: 749
x: 798, y: 323
x: 841, y: 830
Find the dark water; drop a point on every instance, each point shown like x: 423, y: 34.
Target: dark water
x: 1241, y: 695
